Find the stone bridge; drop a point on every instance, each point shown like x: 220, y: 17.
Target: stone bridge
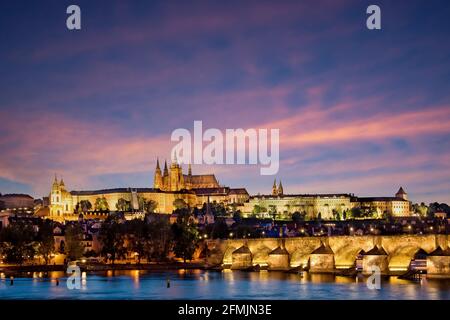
x: 287, y: 253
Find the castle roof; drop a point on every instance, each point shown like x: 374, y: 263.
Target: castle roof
x: 123, y: 190
x: 16, y: 195
x: 374, y: 199
x: 202, y: 179
x: 401, y: 191
x: 239, y: 191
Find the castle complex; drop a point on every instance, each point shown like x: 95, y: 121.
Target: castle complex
x: 172, y: 184
x: 169, y: 185
x: 327, y: 206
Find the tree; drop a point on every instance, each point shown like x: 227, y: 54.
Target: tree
x: 112, y: 238
x: 180, y: 204
x: 219, y: 229
x: 17, y: 242
x: 259, y: 209
x: 123, y: 205
x: 45, y: 240
x: 185, y: 235
x: 160, y: 239
x: 147, y: 206
x: 84, y: 206
x: 298, y: 217
x: 139, y: 231
x: 237, y: 216
x: 101, y: 204
x: 73, y: 247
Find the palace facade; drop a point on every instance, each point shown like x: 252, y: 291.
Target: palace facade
x: 326, y: 205
x: 172, y: 184
x: 169, y: 185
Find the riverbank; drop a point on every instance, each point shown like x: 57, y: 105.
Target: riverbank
x: 11, y: 270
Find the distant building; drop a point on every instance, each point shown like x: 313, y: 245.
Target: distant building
x: 16, y: 201
x: 324, y: 205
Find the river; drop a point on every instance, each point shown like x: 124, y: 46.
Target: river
x: 199, y: 284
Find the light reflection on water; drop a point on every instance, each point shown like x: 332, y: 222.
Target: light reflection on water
x: 198, y: 284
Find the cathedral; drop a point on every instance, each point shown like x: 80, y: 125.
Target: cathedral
x: 173, y: 179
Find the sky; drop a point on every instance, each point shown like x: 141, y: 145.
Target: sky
x: 359, y: 111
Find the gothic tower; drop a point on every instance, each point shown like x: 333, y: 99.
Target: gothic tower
x: 158, y: 180
x: 274, y: 188
x: 165, y: 177
x: 401, y: 194
x: 280, y: 189
x: 176, y: 180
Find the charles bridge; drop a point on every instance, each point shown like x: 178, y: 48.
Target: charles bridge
x: 392, y: 254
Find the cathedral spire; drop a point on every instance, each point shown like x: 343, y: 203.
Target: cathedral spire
x: 157, y: 164
x: 274, y: 188
x: 189, y: 170
x: 280, y: 189
x: 166, y: 172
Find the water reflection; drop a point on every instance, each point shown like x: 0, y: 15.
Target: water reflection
x: 199, y: 284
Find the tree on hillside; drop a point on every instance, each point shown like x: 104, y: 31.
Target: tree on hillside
x: 84, y: 206
x: 160, y: 239
x: 18, y: 242
x: 112, y: 239
x: 101, y: 204
x: 74, y: 248
x: 185, y: 235
x: 139, y: 232
x: 45, y: 240
x: 123, y: 205
x: 180, y: 204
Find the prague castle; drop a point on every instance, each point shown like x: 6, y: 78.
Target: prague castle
x: 172, y: 184
x: 169, y: 185
x: 327, y: 206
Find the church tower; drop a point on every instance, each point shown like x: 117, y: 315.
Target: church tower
x: 165, y: 179
x: 280, y: 189
x: 176, y: 179
x: 158, y: 180
x: 401, y: 194
x: 274, y: 188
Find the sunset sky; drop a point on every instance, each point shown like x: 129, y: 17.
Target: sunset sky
x: 359, y: 111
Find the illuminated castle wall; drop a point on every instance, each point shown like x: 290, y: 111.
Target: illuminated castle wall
x: 195, y: 190
x: 284, y: 205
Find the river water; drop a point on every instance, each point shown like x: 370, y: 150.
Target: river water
x: 199, y: 284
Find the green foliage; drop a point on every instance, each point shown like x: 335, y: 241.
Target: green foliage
x: 147, y: 206
x: 45, y: 240
x: 258, y: 209
x: 185, y: 235
x: 74, y: 248
x: 160, y: 239
x: 84, y: 206
x: 298, y: 217
x: 123, y: 205
x: 180, y: 204
x: 101, y: 204
x: 112, y: 238
x: 219, y: 229
x: 17, y: 242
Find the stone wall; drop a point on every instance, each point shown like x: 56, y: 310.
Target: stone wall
x: 400, y: 249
